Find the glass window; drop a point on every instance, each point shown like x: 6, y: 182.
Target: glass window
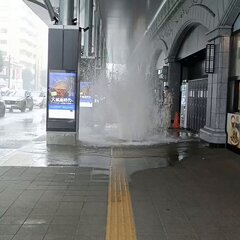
x: 3, y: 41
x: 234, y: 84
x: 235, y: 99
x: 3, y: 30
x: 19, y: 93
x: 235, y: 71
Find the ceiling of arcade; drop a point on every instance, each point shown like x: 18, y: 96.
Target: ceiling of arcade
x: 125, y: 22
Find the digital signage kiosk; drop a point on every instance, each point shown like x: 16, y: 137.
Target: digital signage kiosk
x: 63, y: 90
x: 61, y: 107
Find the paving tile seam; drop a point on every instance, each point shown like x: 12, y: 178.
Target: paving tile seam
x: 33, y: 207
x: 29, y: 212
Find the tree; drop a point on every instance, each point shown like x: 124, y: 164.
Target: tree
x: 1, y: 62
x: 43, y: 78
x: 27, y: 77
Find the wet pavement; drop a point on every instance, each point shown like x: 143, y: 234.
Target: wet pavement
x: 18, y: 129
x: 180, y: 190
x: 52, y: 203
x: 197, y: 198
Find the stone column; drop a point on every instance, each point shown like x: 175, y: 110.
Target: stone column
x: 174, y: 82
x: 214, y: 131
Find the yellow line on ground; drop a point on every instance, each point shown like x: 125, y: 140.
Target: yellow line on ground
x: 120, y: 221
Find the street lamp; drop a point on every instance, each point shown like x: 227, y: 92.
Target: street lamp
x: 210, y: 56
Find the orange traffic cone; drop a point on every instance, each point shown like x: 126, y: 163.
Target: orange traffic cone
x: 176, y: 121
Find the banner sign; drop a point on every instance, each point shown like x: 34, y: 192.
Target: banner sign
x: 233, y: 129
x: 86, y: 99
x: 62, y: 95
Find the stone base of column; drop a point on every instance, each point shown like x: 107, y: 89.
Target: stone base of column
x: 61, y: 138
x: 213, y: 136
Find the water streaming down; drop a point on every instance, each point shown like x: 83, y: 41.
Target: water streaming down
x: 123, y: 113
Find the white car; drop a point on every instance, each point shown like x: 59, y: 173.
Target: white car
x: 39, y: 99
x: 2, y: 106
x: 19, y: 99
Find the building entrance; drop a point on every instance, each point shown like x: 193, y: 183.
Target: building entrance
x: 197, y: 104
x: 193, y: 73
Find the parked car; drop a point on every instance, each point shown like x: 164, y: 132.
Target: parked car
x: 2, y: 106
x: 39, y: 99
x: 19, y: 99
x: 5, y: 91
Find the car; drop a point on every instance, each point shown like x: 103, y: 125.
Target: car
x: 19, y: 99
x: 2, y: 106
x: 5, y: 91
x: 39, y: 99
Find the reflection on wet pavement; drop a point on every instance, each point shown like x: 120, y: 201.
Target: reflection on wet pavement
x: 109, y: 139
x: 161, y: 179
x: 23, y: 143
x: 180, y: 190
x: 19, y: 129
x: 137, y: 158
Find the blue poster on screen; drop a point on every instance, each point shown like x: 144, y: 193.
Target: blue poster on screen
x: 86, y: 99
x: 62, y: 95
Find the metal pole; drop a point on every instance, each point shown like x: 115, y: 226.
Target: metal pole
x: 50, y: 9
x: 78, y: 12
x: 66, y: 12
x: 79, y: 46
x: 78, y: 81
x: 88, y: 23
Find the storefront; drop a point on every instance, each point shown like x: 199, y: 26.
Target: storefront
x: 194, y: 82
x: 233, y: 117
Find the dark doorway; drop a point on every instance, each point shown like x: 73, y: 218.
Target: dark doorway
x: 193, y: 72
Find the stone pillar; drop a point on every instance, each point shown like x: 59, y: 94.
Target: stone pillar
x: 174, y: 83
x: 214, y: 131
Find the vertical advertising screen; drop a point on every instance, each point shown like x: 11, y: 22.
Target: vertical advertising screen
x: 86, y: 99
x: 62, y: 95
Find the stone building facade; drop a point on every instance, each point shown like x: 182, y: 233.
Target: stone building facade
x: 181, y: 29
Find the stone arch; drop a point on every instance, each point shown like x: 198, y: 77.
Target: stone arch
x: 159, y: 44
x: 160, y: 61
x: 154, y: 59
x: 174, y: 72
x: 191, y: 16
x: 180, y: 36
x: 204, y: 7
x: 202, y: 14
x: 231, y: 14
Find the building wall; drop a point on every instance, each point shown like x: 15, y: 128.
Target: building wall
x: 210, y: 14
x: 23, y: 42
x: 167, y: 34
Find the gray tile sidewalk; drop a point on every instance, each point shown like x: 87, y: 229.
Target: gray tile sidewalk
x: 180, y: 191
x: 52, y: 203
x: 196, y: 199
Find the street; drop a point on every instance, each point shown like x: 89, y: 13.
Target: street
x: 18, y: 129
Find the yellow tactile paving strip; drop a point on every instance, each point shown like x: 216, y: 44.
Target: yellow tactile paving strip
x: 120, y: 221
